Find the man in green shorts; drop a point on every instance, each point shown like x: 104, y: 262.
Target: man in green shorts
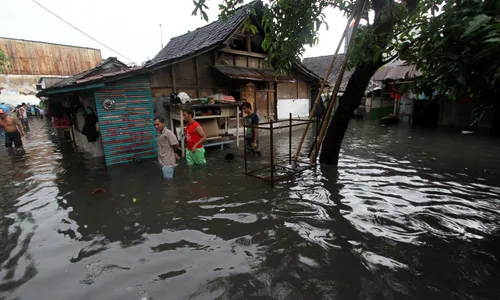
x: 195, y: 136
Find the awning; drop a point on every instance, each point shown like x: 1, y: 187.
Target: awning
x: 252, y: 74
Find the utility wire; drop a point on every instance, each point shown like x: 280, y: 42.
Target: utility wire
x: 82, y: 32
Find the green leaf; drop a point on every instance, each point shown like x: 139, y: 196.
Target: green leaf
x: 493, y: 40
x: 253, y: 29
x: 205, y: 16
x: 376, y: 55
x: 475, y: 24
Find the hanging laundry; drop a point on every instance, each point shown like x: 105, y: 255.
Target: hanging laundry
x: 89, y: 127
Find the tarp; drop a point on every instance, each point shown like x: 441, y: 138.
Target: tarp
x: 6, y: 108
x: 16, y: 100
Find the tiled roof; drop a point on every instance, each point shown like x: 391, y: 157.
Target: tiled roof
x: 203, y: 38
x: 320, y: 64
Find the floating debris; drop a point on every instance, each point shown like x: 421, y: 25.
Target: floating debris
x: 99, y: 190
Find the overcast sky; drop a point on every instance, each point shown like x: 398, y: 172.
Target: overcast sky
x: 129, y: 27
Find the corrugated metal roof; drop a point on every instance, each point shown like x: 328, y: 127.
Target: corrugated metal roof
x: 107, y: 75
x: 397, y: 70
x: 41, y: 58
x: 103, y: 68
x: 252, y: 74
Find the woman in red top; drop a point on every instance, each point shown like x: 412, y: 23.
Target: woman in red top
x: 195, y: 136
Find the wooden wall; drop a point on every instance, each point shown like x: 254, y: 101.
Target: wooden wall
x: 240, y: 60
x: 294, y: 90
x: 198, y: 78
x: 38, y: 58
x: 182, y: 77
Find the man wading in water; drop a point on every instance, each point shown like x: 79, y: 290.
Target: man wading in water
x: 13, y: 130
x: 167, y: 146
x: 251, y: 134
x: 23, y: 115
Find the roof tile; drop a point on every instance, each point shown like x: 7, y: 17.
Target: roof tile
x: 203, y: 38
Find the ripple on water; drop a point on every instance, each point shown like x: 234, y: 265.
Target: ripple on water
x: 400, y: 218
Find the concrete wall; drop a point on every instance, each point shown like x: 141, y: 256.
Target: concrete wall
x: 378, y: 107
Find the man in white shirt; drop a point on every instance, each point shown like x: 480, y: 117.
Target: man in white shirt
x: 167, y: 147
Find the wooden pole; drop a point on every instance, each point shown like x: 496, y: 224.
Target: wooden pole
x: 323, y: 84
x: 197, y: 77
x: 173, y: 80
x: 326, y: 120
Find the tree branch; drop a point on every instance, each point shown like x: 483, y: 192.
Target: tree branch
x: 390, y: 59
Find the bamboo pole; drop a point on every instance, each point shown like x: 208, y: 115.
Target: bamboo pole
x: 333, y: 99
x: 323, y: 84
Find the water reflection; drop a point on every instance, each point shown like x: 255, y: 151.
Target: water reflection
x: 408, y: 214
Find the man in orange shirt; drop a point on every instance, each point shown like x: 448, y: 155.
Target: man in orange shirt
x: 195, y: 136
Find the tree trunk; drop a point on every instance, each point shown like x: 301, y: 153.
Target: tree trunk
x: 383, y: 29
x: 348, y: 103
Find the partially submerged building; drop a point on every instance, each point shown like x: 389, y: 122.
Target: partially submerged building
x: 219, y: 58
x: 108, y: 110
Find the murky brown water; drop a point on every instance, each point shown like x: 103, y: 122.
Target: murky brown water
x: 409, y: 214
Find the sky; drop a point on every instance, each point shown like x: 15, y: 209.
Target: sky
x: 129, y: 27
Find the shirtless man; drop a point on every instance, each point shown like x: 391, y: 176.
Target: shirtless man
x: 13, y: 130
x: 23, y: 115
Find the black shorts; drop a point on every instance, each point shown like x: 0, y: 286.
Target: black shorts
x: 13, y: 137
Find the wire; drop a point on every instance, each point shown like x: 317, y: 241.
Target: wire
x: 83, y: 32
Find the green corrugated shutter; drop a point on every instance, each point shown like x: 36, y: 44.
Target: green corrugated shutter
x: 128, y: 132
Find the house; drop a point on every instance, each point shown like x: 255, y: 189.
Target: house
x: 375, y: 106
x: 108, y: 109
x: 223, y: 58
x: 29, y: 61
x: 398, y: 80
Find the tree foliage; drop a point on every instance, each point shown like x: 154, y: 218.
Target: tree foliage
x: 457, y: 49
x: 455, y: 44
x: 290, y: 26
x: 4, y: 62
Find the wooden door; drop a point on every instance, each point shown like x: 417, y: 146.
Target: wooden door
x: 262, y: 105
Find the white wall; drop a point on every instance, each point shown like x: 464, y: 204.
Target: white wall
x: 298, y: 108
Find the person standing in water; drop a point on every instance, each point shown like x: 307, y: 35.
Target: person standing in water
x: 167, y: 148
x: 251, y: 134
x: 13, y: 130
x: 195, y: 136
x: 23, y: 115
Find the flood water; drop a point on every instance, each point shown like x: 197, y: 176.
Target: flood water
x: 409, y: 214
